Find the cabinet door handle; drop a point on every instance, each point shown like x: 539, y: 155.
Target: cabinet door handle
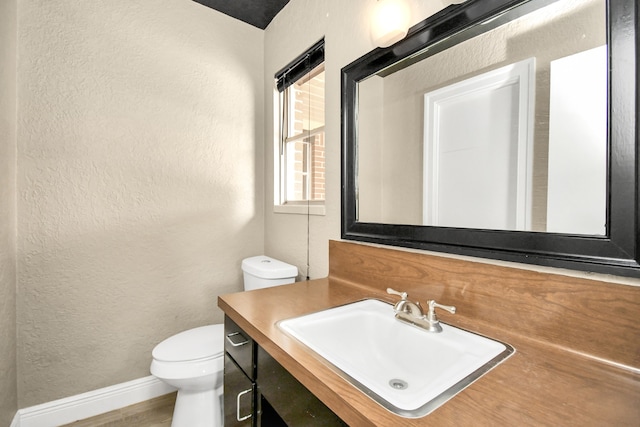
x: 239, y: 343
x: 238, y: 417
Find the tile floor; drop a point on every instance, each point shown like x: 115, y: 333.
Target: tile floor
x: 153, y: 413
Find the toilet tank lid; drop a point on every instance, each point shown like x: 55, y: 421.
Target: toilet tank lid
x: 199, y: 343
x: 268, y: 268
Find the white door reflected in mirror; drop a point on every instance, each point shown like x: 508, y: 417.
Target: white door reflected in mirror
x: 478, y: 149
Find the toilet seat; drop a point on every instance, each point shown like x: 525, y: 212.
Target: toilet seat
x: 198, y: 344
x: 192, y: 369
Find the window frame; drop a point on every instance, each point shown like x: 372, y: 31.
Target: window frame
x: 309, y: 61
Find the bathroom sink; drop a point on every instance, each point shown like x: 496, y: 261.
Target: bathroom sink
x: 406, y: 369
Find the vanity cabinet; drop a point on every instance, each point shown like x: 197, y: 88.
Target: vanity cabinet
x: 259, y: 392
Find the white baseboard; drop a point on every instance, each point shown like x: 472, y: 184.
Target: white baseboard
x: 90, y: 404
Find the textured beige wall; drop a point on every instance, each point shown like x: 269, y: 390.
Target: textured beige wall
x: 8, y: 372
x: 345, y: 27
x: 139, y: 182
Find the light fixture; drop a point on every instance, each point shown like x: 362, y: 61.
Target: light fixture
x: 390, y: 22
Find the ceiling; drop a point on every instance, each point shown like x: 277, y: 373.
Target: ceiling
x: 255, y: 12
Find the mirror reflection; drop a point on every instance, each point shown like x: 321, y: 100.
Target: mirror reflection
x: 506, y: 130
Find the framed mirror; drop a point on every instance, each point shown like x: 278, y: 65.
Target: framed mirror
x: 502, y: 129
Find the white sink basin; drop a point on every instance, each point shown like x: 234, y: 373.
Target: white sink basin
x: 406, y: 369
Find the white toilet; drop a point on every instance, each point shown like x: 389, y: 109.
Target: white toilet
x: 193, y: 361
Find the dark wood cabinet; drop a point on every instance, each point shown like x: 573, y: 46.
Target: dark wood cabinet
x: 292, y: 401
x: 259, y: 392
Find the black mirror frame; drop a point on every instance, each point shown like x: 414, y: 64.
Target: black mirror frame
x: 616, y: 253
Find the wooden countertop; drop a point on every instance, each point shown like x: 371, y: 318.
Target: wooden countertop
x: 541, y: 384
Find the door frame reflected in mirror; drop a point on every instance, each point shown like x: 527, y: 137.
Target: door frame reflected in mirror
x: 617, y: 252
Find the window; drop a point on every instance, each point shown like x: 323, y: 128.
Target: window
x: 300, y: 148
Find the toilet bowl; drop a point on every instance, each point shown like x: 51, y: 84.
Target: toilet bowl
x: 193, y: 361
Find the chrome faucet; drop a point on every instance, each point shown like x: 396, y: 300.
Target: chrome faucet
x: 411, y: 312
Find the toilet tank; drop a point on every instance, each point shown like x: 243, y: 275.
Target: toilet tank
x: 263, y: 272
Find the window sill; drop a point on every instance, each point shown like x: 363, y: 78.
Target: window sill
x: 299, y: 209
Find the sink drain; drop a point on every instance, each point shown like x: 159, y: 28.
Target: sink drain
x: 398, y: 384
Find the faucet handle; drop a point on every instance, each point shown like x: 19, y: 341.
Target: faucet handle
x: 431, y: 314
x: 402, y: 295
x: 451, y: 309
